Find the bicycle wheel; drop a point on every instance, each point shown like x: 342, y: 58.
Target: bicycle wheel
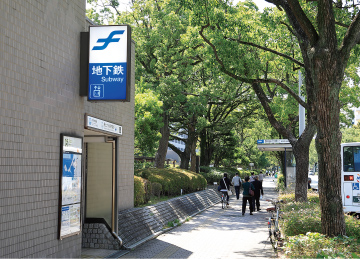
x: 273, y: 234
x: 223, y: 202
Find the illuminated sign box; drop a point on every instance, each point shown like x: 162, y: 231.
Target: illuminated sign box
x: 109, y: 63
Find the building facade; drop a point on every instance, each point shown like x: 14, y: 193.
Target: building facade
x: 39, y: 102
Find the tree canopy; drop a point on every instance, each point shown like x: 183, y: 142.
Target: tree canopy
x: 195, y: 55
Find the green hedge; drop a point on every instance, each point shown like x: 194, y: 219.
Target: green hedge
x: 139, y: 191
x: 171, y: 181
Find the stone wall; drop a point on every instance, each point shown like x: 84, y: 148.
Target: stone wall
x: 97, y: 235
x: 140, y: 224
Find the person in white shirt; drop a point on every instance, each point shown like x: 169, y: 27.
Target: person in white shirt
x: 252, y: 177
x: 261, y: 176
x: 236, y: 181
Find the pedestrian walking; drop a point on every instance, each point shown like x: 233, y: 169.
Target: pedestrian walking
x: 246, y: 195
x: 261, y: 176
x: 258, y: 191
x: 252, y: 177
x: 225, y: 184
x: 236, y: 181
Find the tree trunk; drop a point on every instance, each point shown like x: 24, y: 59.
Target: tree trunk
x: 185, y: 156
x: 328, y: 142
x: 163, y: 143
x: 205, y: 148
x: 302, y: 165
x: 193, y: 138
x: 193, y: 156
x: 301, y: 153
x: 300, y: 146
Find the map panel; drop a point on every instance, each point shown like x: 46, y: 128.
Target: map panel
x: 71, y: 178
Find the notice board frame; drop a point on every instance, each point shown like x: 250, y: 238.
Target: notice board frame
x: 70, y: 186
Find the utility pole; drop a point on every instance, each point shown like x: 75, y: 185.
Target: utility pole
x: 301, y: 109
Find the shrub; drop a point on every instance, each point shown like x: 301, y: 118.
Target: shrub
x: 299, y: 218
x: 148, y: 190
x: 142, y: 165
x: 352, y: 226
x: 156, y: 189
x: 142, y: 191
x: 288, y: 197
x: 174, y: 179
x: 244, y: 173
x: 215, y: 174
x: 301, y: 226
x: 139, y: 191
x: 316, y: 245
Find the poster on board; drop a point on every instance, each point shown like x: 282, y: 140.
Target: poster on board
x: 70, y: 187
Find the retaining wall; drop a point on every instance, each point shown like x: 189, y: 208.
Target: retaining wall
x: 138, y: 225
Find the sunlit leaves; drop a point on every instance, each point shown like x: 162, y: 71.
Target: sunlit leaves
x: 148, y: 112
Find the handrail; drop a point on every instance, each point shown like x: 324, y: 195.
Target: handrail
x: 116, y: 236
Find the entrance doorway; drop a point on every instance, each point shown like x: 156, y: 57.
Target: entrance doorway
x: 100, y: 182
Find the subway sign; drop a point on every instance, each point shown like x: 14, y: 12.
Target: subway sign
x: 109, y: 63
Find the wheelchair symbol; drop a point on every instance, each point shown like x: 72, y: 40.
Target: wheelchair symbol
x: 355, y: 186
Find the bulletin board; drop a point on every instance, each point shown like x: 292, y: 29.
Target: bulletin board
x: 70, y: 186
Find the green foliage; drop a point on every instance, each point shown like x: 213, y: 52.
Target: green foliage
x: 148, y: 113
x: 280, y: 184
x: 316, y: 245
x: 173, y: 180
x: 248, y: 131
x: 139, y: 191
x: 215, y: 174
x: 142, y: 165
x: 148, y: 191
x: 290, y: 197
x: 142, y: 191
x: 301, y: 227
x: 299, y: 218
x: 174, y: 223
x: 156, y: 189
x: 210, y: 174
x: 351, y: 134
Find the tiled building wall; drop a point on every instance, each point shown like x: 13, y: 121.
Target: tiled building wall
x: 39, y: 99
x: 39, y: 68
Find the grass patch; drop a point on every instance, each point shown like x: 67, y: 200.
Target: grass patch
x: 171, y: 224
x: 316, y: 245
x: 155, y: 199
x: 301, y: 228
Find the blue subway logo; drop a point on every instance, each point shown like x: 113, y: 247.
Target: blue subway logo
x: 108, y: 40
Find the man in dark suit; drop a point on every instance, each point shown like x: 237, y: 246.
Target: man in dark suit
x: 258, y: 191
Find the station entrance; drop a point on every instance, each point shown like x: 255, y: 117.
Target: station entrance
x: 100, y: 180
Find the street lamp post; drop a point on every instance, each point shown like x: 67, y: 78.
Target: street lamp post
x: 251, y: 165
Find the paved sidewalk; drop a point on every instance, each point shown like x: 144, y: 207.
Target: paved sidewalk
x: 215, y: 234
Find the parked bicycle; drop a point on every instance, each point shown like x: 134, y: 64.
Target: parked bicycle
x: 273, y: 224
x: 224, y: 203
